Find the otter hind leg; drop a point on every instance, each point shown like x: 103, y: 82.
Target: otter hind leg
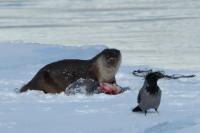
x: 46, y: 82
x: 49, y: 84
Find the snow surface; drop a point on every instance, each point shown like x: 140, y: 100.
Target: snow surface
x: 35, y: 112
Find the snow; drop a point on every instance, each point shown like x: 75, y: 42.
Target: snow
x: 100, y: 113
x: 157, y: 34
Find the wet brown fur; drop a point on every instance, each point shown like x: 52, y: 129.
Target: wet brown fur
x: 55, y: 77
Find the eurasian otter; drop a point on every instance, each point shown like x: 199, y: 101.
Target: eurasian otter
x: 55, y: 77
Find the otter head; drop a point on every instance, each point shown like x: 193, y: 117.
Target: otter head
x: 108, y: 62
x: 111, y: 57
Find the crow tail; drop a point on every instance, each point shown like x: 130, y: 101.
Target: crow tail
x: 137, y: 109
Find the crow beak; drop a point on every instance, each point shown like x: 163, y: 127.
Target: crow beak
x: 166, y: 77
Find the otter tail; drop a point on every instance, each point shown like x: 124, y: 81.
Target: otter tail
x: 24, y: 88
x: 137, y: 109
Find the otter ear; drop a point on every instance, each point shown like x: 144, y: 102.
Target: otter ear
x: 105, y: 50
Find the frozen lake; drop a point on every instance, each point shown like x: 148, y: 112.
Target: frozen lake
x: 158, y: 33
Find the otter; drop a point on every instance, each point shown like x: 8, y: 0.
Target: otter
x: 56, y: 76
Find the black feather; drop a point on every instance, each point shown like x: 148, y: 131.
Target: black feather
x: 139, y: 98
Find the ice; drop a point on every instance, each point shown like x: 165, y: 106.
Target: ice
x: 158, y: 33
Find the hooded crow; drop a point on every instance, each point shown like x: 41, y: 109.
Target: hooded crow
x: 150, y: 94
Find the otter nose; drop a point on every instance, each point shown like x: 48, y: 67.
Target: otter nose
x: 111, y: 59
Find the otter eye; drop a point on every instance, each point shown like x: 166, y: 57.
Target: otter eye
x: 107, y: 56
